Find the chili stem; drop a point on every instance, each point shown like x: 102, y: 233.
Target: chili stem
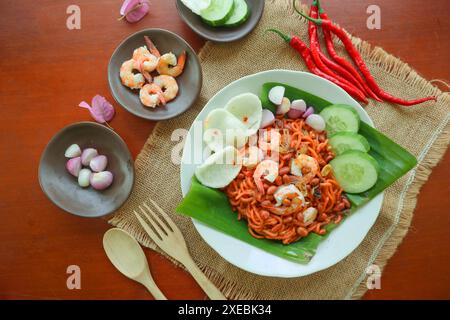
x: 324, y: 63
x: 285, y: 37
x: 297, y: 44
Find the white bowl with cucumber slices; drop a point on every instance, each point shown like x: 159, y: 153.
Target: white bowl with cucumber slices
x: 221, y: 20
x: 340, y: 242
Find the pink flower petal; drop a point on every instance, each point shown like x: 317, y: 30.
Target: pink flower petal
x: 134, y: 10
x: 84, y: 104
x: 101, y: 110
x: 127, y: 4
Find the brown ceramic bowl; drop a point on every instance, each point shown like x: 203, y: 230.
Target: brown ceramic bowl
x: 62, y: 188
x: 222, y: 34
x: 189, y: 82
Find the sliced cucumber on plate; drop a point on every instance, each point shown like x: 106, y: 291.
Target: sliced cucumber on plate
x: 240, y: 14
x: 340, y: 118
x: 356, y: 171
x: 218, y: 12
x: 196, y: 6
x: 344, y: 141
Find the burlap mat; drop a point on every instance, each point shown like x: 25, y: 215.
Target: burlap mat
x: 423, y: 130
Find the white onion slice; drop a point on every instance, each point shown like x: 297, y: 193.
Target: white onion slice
x: 276, y: 94
x: 299, y: 105
x: 267, y: 118
x: 316, y: 122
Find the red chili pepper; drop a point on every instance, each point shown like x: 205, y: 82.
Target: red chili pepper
x: 354, y: 54
x: 304, y: 51
x: 340, y: 60
x: 323, y: 62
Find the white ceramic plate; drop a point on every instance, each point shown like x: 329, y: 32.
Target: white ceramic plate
x: 341, y: 241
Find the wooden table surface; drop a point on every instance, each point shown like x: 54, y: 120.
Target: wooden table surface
x: 46, y: 70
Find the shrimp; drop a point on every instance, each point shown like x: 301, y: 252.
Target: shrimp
x: 151, y: 46
x: 309, y: 215
x: 130, y: 79
x: 251, y: 156
x: 151, y: 95
x: 169, y: 86
x: 286, y: 190
x: 139, y: 52
x: 267, y: 169
x: 169, y: 65
x: 279, y: 211
x: 147, y: 61
x: 289, y: 199
x: 147, y: 64
x: 305, y: 166
x: 295, y: 206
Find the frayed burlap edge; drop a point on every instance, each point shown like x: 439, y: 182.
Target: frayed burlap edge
x: 434, y: 153
x: 422, y: 172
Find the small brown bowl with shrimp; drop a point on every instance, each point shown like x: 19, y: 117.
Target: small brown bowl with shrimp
x: 155, y: 74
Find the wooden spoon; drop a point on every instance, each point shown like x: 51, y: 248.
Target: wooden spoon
x: 127, y: 256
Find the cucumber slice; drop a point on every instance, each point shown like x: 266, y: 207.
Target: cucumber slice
x: 339, y: 118
x: 196, y: 6
x: 355, y: 171
x: 218, y: 12
x: 239, y: 15
x: 344, y: 141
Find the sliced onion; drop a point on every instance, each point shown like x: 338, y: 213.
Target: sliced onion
x: 267, y: 118
x: 308, y: 112
x: 316, y: 122
x: 276, y: 95
x: 284, y: 107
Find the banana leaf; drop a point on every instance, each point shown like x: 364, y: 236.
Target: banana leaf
x: 211, y: 206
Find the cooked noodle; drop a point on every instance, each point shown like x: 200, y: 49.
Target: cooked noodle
x: 286, y: 222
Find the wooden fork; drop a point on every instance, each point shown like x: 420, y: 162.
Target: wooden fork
x: 169, y: 238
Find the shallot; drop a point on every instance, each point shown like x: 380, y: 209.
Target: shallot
x: 98, y: 163
x: 101, y: 180
x: 267, y: 118
x: 276, y: 94
x: 84, y: 177
x: 98, y: 179
x: 294, y: 113
x: 74, y: 166
x: 73, y: 151
x: 284, y: 107
x: 316, y: 122
x: 87, y: 155
x: 299, y: 105
x: 308, y: 112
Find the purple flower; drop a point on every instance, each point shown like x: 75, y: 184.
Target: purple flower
x: 101, y: 110
x: 134, y: 10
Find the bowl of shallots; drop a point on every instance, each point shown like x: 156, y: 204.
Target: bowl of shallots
x: 86, y: 169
